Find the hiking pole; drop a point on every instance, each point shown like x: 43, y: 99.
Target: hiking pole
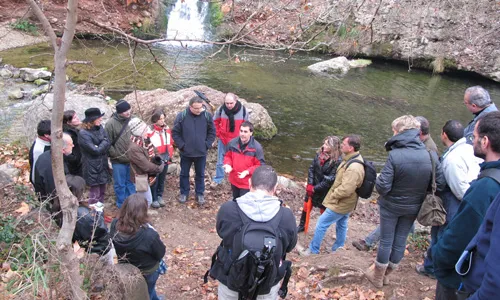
x: 309, y: 206
x: 204, y: 97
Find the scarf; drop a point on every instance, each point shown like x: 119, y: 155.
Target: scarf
x: 323, y: 157
x: 230, y: 114
x: 140, y: 142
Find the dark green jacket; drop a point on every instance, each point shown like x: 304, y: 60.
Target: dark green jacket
x: 118, y: 152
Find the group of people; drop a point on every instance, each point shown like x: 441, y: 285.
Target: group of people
x: 466, y: 177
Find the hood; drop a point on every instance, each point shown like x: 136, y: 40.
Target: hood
x: 258, y: 206
x: 129, y: 240
x: 406, y: 139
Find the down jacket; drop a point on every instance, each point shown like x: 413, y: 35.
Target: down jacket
x: 94, y: 144
x: 250, y: 158
x: 406, y: 175
x: 322, y: 178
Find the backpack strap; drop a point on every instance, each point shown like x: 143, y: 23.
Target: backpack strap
x: 492, y: 173
x: 121, y: 132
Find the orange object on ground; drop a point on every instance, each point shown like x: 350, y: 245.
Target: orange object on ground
x: 308, y: 206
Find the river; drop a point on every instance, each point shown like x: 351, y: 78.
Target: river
x: 304, y: 107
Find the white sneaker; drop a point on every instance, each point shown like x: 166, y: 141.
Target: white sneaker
x: 306, y: 252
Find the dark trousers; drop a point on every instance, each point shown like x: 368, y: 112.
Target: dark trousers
x: 445, y: 293
x: 199, y: 179
x: 151, y: 282
x: 159, y: 185
x: 237, y: 192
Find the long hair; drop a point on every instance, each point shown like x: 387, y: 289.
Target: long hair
x: 68, y: 116
x: 133, y: 214
x: 88, y: 125
x: 334, y: 143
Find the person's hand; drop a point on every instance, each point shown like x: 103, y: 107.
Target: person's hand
x: 243, y: 174
x: 310, y: 190
x: 227, y: 168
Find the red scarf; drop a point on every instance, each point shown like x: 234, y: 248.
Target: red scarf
x: 139, y: 141
x: 323, y: 157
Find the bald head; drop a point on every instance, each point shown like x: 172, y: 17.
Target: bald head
x: 230, y: 100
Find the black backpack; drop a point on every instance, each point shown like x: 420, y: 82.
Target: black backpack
x: 366, y: 189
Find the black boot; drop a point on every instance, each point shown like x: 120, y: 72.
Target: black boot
x: 301, y: 227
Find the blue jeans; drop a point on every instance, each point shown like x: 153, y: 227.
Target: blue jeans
x: 157, y: 188
x: 219, y: 170
x: 325, y: 220
x: 373, y: 237
x: 122, y: 185
x: 151, y: 282
x: 428, y: 264
x: 199, y: 179
x: 394, y: 230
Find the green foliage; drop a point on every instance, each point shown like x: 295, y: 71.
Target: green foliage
x: 345, y: 32
x: 8, y: 233
x: 418, y: 241
x: 216, y: 14
x: 26, y: 26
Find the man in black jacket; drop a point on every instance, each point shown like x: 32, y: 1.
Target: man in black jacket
x: 259, y: 205
x: 194, y: 134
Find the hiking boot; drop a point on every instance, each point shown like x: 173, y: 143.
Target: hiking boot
x: 422, y: 271
x: 375, y: 274
x: 182, y: 198
x: 361, y: 245
x: 306, y: 252
x: 161, y: 201
x: 391, y: 267
x: 155, y: 204
x: 201, y: 200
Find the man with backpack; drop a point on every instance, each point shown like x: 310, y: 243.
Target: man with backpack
x: 194, y: 134
x: 257, y: 232
x: 342, y: 197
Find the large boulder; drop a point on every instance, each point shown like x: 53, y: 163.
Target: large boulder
x: 174, y: 102
x: 337, y: 65
x: 41, y: 108
x: 29, y: 74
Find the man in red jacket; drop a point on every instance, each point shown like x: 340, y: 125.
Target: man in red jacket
x: 227, y: 120
x: 244, y: 155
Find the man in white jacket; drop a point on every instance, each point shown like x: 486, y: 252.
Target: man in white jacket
x: 460, y: 167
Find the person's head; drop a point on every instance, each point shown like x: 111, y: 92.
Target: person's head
x: 43, y: 129
x: 350, y: 144
x: 133, y: 214
x: 476, y: 98
x: 158, y: 118
x: 123, y: 108
x: 452, y: 132
x: 246, y: 131
x: 138, y: 128
x: 71, y: 118
x: 230, y: 100
x: 265, y: 179
x: 424, y: 127
x: 93, y: 117
x: 67, y: 144
x: 196, y: 105
x: 405, y: 122
x: 487, y: 136
x: 331, y: 145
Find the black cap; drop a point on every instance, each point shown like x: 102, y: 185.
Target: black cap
x: 92, y: 114
x: 122, y: 106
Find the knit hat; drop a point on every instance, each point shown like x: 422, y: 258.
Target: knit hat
x: 122, y: 106
x: 137, y: 126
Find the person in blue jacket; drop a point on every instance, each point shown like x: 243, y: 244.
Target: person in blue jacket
x: 471, y: 212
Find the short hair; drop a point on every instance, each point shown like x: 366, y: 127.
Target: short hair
x: 232, y: 96
x: 478, y: 96
x: 43, y: 128
x: 454, y: 130
x: 489, y: 125
x: 424, y: 125
x: 68, y: 116
x: 264, y: 178
x: 247, y: 124
x: 354, y: 141
x: 195, y: 99
x: 156, y: 115
x: 66, y: 137
x: 405, y: 122
x: 133, y: 214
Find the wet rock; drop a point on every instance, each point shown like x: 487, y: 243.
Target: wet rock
x: 29, y: 74
x: 337, y: 65
x: 359, y: 63
x: 5, y: 73
x: 40, y: 81
x: 38, y: 92
x: 16, y: 94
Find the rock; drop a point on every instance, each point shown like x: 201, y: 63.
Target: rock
x: 40, y: 81
x: 172, y: 168
x: 5, y: 73
x: 53, y: 20
x: 16, y: 94
x: 287, y: 183
x: 359, y: 63
x: 29, y: 74
x: 5, y: 179
x: 146, y: 14
x: 10, y: 171
x: 38, y: 92
x: 16, y: 73
x: 332, y: 66
x: 79, y: 103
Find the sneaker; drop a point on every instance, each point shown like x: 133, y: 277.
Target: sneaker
x: 422, y: 271
x: 201, y: 200
x: 306, y: 252
x: 361, y: 245
x: 338, y: 249
x: 155, y: 204
x: 182, y: 198
x: 161, y: 201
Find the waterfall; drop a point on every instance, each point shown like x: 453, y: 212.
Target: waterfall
x: 187, y: 21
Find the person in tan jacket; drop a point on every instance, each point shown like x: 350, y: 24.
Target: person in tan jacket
x: 342, y: 197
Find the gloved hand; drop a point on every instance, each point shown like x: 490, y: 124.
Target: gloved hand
x: 157, y: 160
x: 310, y: 190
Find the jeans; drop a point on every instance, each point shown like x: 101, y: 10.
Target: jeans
x: 237, y: 192
x: 151, y: 282
x: 373, y: 237
x: 394, y: 230
x: 159, y: 185
x: 122, y: 185
x: 199, y: 179
x: 428, y: 264
x: 96, y: 193
x: 325, y: 220
x: 147, y: 195
x: 219, y: 170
